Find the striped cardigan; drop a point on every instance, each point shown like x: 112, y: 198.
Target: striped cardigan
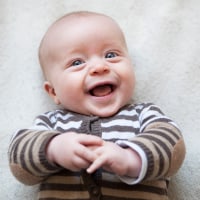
x: 142, y: 127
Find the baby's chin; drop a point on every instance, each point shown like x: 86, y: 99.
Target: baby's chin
x: 105, y: 112
x: 102, y: 111
x: 97, y: 112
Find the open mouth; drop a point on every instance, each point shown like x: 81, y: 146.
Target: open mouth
x: 102, y: 90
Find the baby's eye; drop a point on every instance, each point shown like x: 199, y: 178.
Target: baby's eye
x: 77, y: 62
x: 111, y: 55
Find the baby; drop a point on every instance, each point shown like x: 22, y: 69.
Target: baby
x: 99, y: 145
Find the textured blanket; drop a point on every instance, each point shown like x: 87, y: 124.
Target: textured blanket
x: 164, y: 42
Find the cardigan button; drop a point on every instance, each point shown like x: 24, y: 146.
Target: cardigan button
x: 95, y: 192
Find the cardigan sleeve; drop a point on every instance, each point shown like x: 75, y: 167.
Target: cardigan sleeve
x: 160, y: 145
x: 27, y: 153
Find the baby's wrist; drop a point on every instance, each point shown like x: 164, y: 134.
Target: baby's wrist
x: 49, y: 150
x: 134, y: 163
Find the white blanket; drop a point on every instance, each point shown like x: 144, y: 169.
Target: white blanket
x: 164, y: 41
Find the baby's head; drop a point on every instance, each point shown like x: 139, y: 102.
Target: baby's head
x: 86, y: 64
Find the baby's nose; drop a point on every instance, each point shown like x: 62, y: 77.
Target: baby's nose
x: 99, y: 69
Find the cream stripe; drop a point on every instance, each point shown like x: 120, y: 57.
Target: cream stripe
x: 71, y: 124
x: 120, y: 122
x: 128, y: 112
x: 117, y: 135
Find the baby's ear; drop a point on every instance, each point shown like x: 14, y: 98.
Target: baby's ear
x: 51, y: 92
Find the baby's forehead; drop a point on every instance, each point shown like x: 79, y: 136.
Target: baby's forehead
x: 71, y: 21
x: 75, y: 19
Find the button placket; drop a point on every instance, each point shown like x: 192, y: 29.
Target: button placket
x: 93, y: 189
x: 91, y: 126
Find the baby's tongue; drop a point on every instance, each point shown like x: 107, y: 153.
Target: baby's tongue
x: 102, y: 90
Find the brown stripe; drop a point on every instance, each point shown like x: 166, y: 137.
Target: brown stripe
x: 64, y: 195
x: 148, y: 148
x: 162, y: 133
x: 134, y: 194
x: 64, y: 180
x: 14, y: 146
x: 159, y: 142
x: 173, y: 130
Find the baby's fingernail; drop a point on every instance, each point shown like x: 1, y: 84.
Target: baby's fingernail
x: 88, y: 171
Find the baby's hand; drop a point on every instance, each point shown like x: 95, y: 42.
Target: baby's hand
x: 116, y: 159
x: 70, y: 150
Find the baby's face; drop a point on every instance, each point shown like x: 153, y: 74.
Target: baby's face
x: 88, y: 67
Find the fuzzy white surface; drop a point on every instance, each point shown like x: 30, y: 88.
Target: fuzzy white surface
x: 164, y: 43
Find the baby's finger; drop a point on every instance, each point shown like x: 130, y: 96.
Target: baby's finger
x: 79, y: 163
x: 85, y: 153
x: 99, y: 162
x: 89, y: 140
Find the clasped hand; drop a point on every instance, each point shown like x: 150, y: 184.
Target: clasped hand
x: 80, y: 151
